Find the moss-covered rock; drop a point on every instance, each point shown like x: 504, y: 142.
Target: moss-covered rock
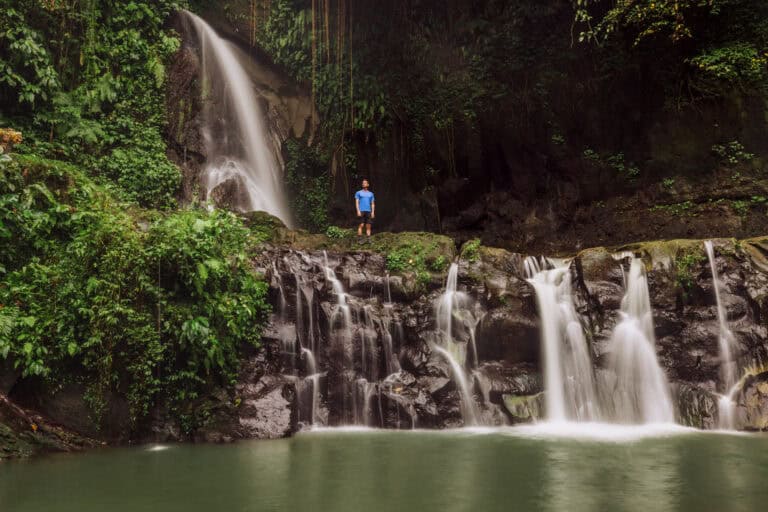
x: 525, y: 409
x: 663, y: 253
x: 418, y: 257
x: 12, y: 446
x: 264, y: 226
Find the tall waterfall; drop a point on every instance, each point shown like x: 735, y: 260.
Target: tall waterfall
x: 235, y: 132
x: 726, y: 405
x: 568, y: 376
x: 641, y: 393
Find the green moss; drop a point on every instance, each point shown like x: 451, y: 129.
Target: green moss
x: 684, y: 269
x: 418, y: 253
x: 263, y: 226
x: 662, y: 252
x: 470, y: 251
x: 686, y: 208
x: 525, y: 408
x: 337, y: 233
x: 439, y: 264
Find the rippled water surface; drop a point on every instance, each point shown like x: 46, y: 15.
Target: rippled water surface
x: 565, y: 468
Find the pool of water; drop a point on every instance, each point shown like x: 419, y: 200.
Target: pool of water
x: 558, y: 468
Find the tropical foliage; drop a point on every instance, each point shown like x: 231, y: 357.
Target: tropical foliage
x: 152, y: 306
x: 85, y: 82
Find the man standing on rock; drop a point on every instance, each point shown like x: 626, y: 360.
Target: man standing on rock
x: 366, y: 211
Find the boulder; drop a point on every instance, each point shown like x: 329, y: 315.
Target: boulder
x: 752, y: 402
x: 524, y: 408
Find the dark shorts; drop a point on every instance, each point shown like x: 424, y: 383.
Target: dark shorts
x: 365, y: 218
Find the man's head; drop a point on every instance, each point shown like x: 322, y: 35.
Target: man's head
x: 365, y: 185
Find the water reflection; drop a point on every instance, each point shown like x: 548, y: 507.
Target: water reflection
x: 584, y: 477
x: 376, y: 471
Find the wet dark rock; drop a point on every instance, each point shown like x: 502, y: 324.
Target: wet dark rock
x: 66, y: 406
x: 230, y: 193
x: 466, y: 219
x: 383, y: 370
x: 752, y: 400
x: 408, y: 396
x: 696, y: 407
x: 8, y: 376
x: 496, y: 379
x: 509, y: 333
x: 268, y: 414
x: 24, y: 432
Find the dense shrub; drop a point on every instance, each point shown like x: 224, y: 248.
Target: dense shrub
x: 86, y: 83
x: 144, y: 304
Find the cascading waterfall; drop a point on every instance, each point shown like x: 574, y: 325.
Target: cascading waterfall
x: 472, y: 321
x: 370, y: 362
x: 448, y: 304
x: 729, y: 384
x: 314, y: 378
x: 568, y: 375
x: 236, y: 138
x: 641, y: 393
x: 360, y: 389
x: 388, y: 324
x: 342, y: 307
x: 467, y: 403
x: 360, y: 341
x: 306, y: 344
x: 283, y: 302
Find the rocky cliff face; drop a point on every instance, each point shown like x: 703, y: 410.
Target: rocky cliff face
x: 350, y: 343
x: 382, y: 367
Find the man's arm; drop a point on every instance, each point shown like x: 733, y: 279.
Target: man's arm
x: 373, y: 208
x: 357, y: 206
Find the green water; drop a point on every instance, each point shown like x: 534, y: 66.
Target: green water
x: 372, y: 471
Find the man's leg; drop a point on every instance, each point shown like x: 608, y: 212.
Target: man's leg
x: 368, y: 229
x: 360, y: 229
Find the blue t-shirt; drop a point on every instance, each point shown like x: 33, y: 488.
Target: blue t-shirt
x: 365, y: 197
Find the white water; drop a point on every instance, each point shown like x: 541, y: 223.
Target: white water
x: 310, y: 361
x: 370, y: 363
x: 450, y: 301
x: 235, y: 133
x: 279, y: 279
x: 309, y: 296
x: 314, y: 377
x: 638, y: 389
x: 725, y: 405
x: 388, y: 324
x: 472, y: 323
x: 533, y: 265
x: 467, y: 403
x: 641, y: 392
x: 341, y: 298
x: 568, y: 376
x: 453, y: 302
